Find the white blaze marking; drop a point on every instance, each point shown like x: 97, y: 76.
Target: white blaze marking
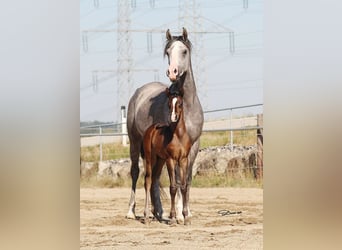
x: 173, y: 114
x: 177, y: 46
x: 175, y: 50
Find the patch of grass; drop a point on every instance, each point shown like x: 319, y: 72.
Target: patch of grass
x: 103, y: 182
x: 211, y: 139
x: 110, y: 151
x: 197, y: 181
x: 91, y: 180
x: 222, y: 180
x: 211, y: 180
x: 116, y: 151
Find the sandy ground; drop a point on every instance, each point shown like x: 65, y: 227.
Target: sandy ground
x: 104, y: 226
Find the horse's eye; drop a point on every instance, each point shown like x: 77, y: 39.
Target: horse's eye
x: 184, y: 52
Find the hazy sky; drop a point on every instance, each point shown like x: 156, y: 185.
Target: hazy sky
x: 228, y: 80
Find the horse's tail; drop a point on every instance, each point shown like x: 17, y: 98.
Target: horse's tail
x: 163, y: 194
x: 158, y: 193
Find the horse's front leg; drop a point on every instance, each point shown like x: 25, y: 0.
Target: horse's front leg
x: 179, y: 200
x: 173, y: 189
x: 184, y: 189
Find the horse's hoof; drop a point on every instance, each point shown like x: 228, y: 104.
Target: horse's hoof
x: 130, y: 215
x: 187, y: 221
x: 146, y: 221
x: 180, y: 220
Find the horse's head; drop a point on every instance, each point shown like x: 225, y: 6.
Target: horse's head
x: 175, y: 104
x: 178, y: 50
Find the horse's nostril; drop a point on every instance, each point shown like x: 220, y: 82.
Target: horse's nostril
x: 175, y: 71
x: 167, y: 73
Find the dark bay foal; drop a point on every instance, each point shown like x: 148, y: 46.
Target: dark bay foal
x: 171, y: 144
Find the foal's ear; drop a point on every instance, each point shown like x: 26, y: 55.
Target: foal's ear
x: 185, y: 34
x: 168, y: 34
x: 167, y: 91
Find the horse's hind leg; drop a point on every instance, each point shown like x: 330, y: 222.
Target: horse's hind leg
x: 134, y: 154
x: 184, y: 189
x: 155, y: 192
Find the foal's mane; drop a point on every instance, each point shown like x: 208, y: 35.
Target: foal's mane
x: 186, y: 42
x: 175, y: 89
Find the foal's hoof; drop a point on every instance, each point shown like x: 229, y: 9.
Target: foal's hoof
x: 146, y: 221
x: 187, y: 221
x: 173, y: 222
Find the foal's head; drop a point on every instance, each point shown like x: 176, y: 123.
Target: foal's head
x: 175, y: 104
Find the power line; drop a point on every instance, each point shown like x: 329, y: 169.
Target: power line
x: 124, y: 53
x: 201, y: 30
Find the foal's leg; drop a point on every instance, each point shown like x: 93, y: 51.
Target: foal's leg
x: 173, y: 188
x: 134, y: 154
x: 183, y: 166
x: 179, y: 204
x: 148, y: 181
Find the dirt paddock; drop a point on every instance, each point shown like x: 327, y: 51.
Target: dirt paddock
x: 103, y: 224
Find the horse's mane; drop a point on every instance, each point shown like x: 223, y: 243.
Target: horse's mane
x: 186, y: 42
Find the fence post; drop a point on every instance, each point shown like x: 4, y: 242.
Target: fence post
x: 123, y: 125
x: 231, y: 131
x: 100, y: 143
x: 260, y: 142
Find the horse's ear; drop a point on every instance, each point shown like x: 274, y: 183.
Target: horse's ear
x: 168, y: 34
x: 185, y: 34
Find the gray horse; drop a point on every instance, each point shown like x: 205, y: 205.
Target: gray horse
x: 149, y: 105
